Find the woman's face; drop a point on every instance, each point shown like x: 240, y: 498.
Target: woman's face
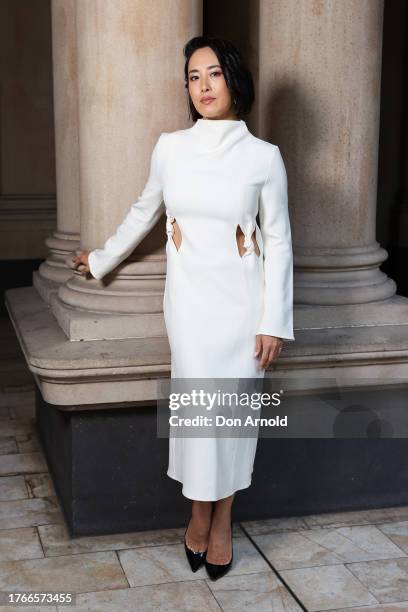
x: 206, y: 80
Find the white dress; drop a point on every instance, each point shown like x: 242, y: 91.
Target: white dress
x: 211, y: 178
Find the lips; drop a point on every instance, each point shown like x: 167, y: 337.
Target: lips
x: 207, y: 100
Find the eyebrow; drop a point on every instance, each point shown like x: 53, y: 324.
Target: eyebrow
x: 208, y: 68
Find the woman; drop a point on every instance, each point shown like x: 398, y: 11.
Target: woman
x: 228, y: 300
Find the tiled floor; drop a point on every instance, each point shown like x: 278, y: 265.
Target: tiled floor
x: 342, y: 561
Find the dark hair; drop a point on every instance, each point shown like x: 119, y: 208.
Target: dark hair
x: 237, y: 76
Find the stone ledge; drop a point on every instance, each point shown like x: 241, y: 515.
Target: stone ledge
x: 92, y: 372
x: 114, y: 372
x: 385, y: 312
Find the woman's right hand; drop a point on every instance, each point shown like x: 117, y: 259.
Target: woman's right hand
x: 81, y: 262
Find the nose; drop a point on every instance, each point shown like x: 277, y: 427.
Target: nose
x: 205, y: 84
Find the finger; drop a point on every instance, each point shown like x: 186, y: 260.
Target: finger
x: 258, y: 345
x: 280, y: 347
x: 265, y: 357
x: 271, y: 356
x: 275, y: 353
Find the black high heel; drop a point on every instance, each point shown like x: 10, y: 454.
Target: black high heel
x: 216, y: 570
x: 195, y: 559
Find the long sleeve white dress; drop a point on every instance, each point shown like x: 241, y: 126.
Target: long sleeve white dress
x: 212, y: 178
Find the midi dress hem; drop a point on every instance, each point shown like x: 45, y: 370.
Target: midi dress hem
x: 199, y: 497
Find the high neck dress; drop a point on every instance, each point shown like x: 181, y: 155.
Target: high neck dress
x: 210, y: 179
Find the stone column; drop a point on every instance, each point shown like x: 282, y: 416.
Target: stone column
x: 319, y: 100
x: 130, y: 89
x: 54, y: 270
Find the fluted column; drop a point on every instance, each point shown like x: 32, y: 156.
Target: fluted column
x: 319, y: 100
x: 54, y: 270
x: 130, y: 89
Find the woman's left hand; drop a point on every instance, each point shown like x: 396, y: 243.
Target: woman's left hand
x: 267, y: 349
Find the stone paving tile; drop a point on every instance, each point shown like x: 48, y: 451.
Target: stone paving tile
x: 30, y: 512
x: 158, y: 564
x: 16, y: 427
x: 28, y: 443
x: 22, y: 463
x: 186, y: 596
x: 40, y: 485
x: 387, y: 579
x: 57, y: 541
x: 17, y: 399
x: 75, y: 573
x: 8, y: 446
x: 20, y: 404
x: 397, y: 533
x: 394, y: 607
x: 327, y: 587
x: 4, y: 412
x: 155, y: 565
x: 23, y: 543
x: 274, y: 524
x: 32, y: 609
x: 293, y: 549
x: 17, y: 381
x: 261, y: 591
x: 355, y: 517
x: 16, y: 378
x: 23, y: 411
x: 12, y: 487
x: 325, y: 546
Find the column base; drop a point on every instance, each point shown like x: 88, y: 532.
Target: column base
x: 45, y: 287
x: 54, y: 272
x: 341, y: 276
x: 86, y: 325
x: 130, y: 306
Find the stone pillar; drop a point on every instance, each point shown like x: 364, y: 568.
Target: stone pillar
x: 130, y: 89
x: 319, y: 100
x: 54, y: 270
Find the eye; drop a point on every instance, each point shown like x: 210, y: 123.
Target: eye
x: 217, y: 73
